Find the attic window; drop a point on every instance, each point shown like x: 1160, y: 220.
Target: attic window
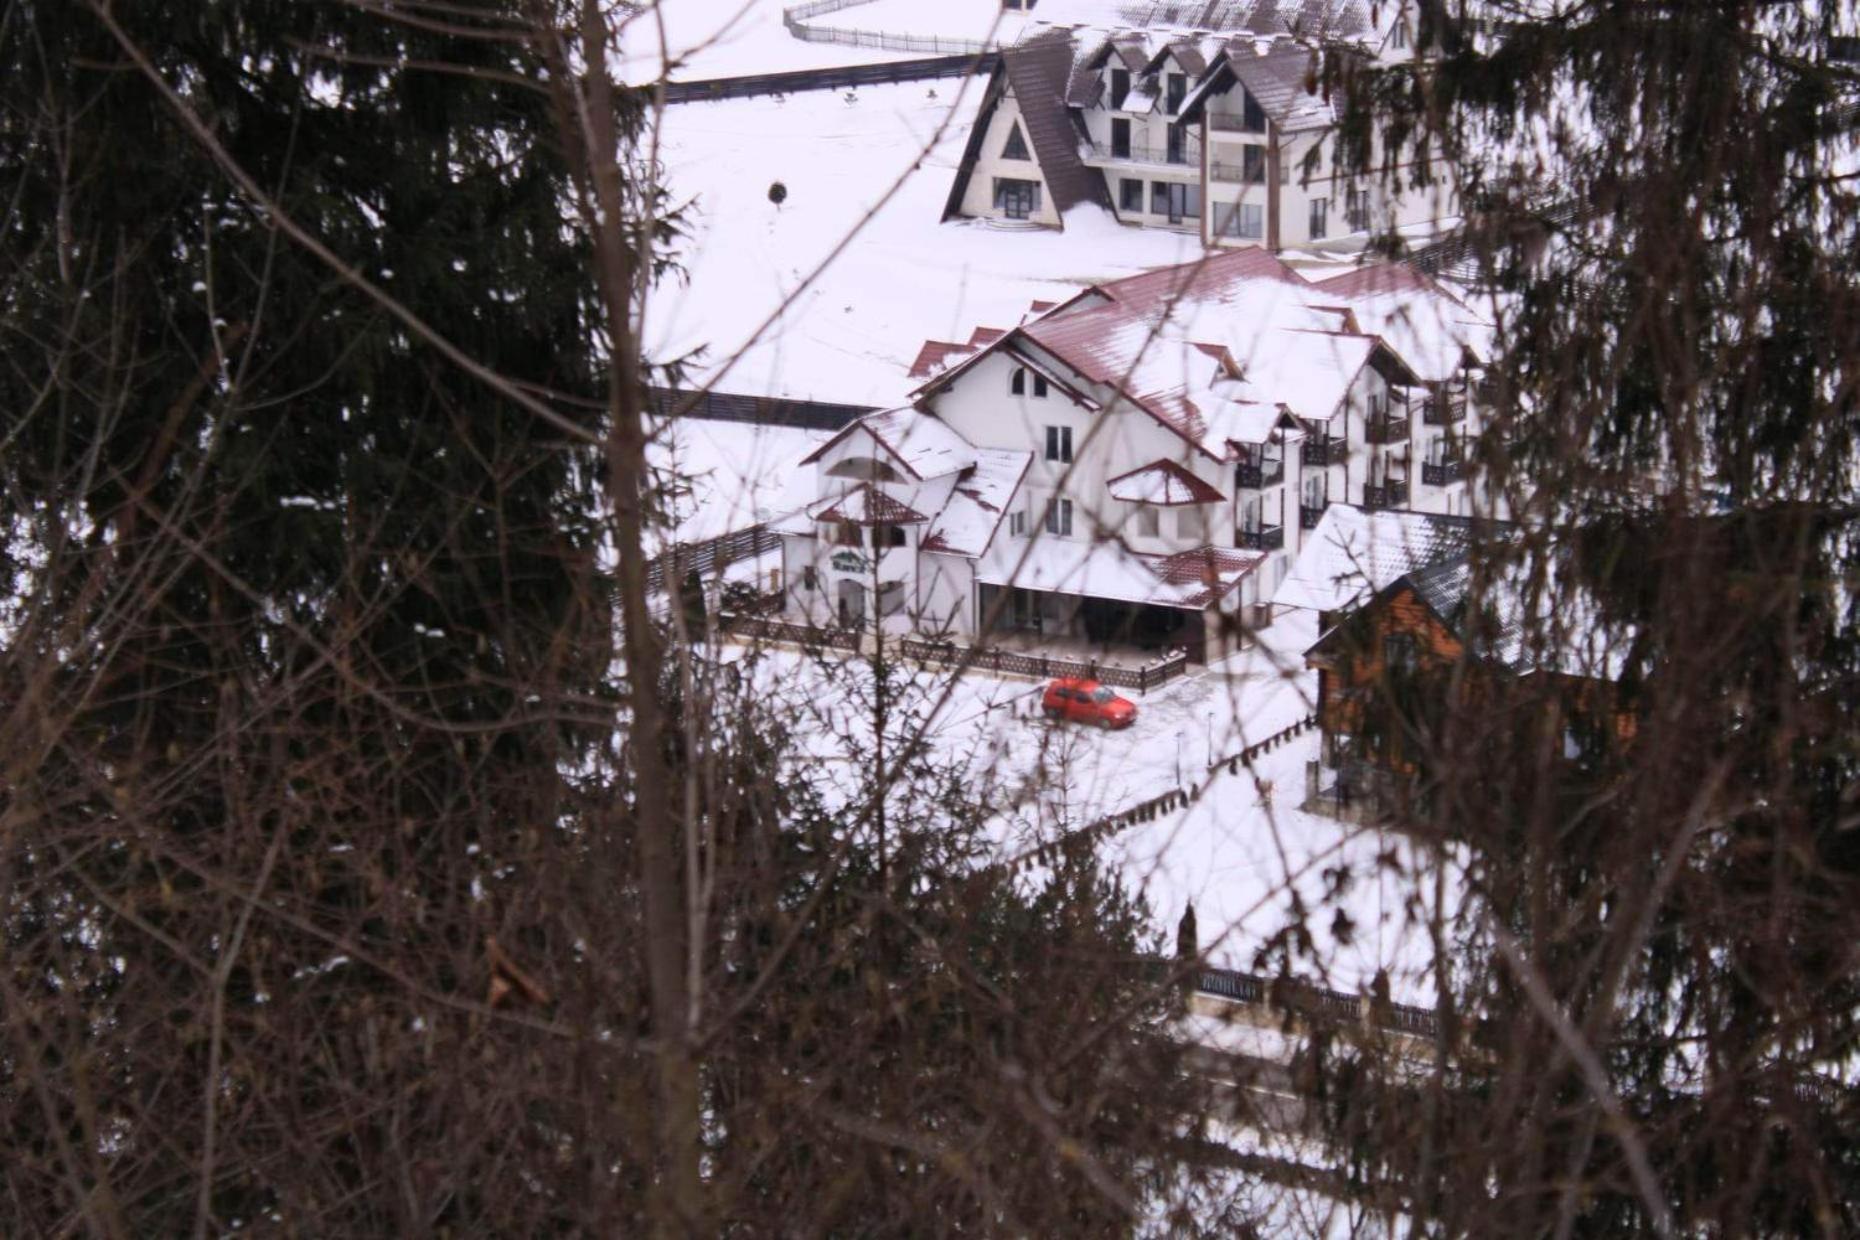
x: 1120, y: 87
x: 1177, y: 91
x: 1253, y: 117
x: 1017, y: 383
x: 1016, y: 147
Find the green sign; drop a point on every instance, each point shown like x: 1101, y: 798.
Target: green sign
x: 848, y: 561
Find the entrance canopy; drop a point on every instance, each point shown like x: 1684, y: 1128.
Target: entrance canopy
x: 1193, y: 580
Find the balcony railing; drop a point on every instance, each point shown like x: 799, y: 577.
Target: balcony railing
x: 1236, y: 174
x: 1326, y: 451
x: 1228, y: 123
x: 1442, y: 473
x: 1387, y: 429
x: 1444, y: 412
x: 1308, y: 517
x: 1266, y: 538
x: 1388, y: 495
x: 1263, y: 474
x: 1142, y: 153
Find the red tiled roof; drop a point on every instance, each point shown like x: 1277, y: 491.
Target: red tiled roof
x: 934, y: 354
x: 1211, y: 566
x: 1383, y: 278
x: 866, y: 504
x: 1170, y: 482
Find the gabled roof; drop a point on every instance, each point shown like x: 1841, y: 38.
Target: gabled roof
x: 982, y: 494
x: 1355, y: 553
x: 867, y: 504
x: 1282, y: 78
x: 921, y: 442
x: 1039, y: 71
x: 1163, y: 483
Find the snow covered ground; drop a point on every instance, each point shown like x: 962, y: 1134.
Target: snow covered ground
x: 1242, y: 851
x: 727, y: 476
x: 753, y: 282
x: 725, y: 38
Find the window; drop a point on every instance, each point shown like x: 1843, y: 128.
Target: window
x: 1129, y: 195
x: 1016, y: 147
x: 1120, y: 87
x: 1059, y: 518
x: 846, y: 535
x: 810, y: 580
x: 1320, y: 218
x: 1039, y: 385
x: 1177, y: 90
x: 864, y: 468
x: 1356, y: 209
x: 1120, y: 138
x: 1399, y: 652
x: 1149, y: 522
x: 1178, y: 202
x: 1191, y: 523
x: 1059, y: 444
x: 1253, y: 164
x: 1017, y: 200
x: 1017, y: 524
x: 1240, y: 219
x: 1252, y: 116
x: 1017, y: 383
x: 1178, y: 145
x: 1159, y: 198
x: 887, y: 536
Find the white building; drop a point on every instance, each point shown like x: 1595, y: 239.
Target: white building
x: 1136, y: 465
x: 1216, y: 125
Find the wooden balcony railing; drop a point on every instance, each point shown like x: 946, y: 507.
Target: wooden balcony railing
x: 1388, y: 495
x: 1436, y: 411
x: 1329, y: 450
x: 1387, y: 429
x: 1442, y: 473
x: 1308, y: 517
x: 1266, y: 538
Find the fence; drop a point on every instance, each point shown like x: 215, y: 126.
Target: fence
x: 805, y: 635
x: 711, y: 556
x: 751, y: 84
x: 795, y: 19
x: 1142, y: 679
x: 814, y: 415
x: 1316, y: 1002
x: 1233, y: 762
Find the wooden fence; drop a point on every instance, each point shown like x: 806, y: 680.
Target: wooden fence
x: 805, y: 635
x: 711, y: 556
x: 1314, y: 1002
x: 1045, y: 667
x: 841, y: 77
x: 1233, y: 762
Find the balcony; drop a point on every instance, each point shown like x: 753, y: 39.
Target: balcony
x: 1387, y: 429
x: 1329, y: 450
x: 1187, y: 156
x: 1308, y: 517
x: 1442, y: 473
x: 1388, y: 495
x: 1255, y: 475
x: 1444, y: 411
x: 1266, y: 538
x: 1222, y: 122
x: 1237, y: 174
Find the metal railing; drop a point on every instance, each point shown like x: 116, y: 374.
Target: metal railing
x: 1266, y: 538
x: 1188, y: 156
x: 1309, y: 517
x: 1224, y: 122
x: 1388, y: 428
x: 1388, y: 495
x: 1236, y: 174
x: 1443, y: 473
x: 1316, y: 1002
x: 1261, y: 474
x: 1045, y: 667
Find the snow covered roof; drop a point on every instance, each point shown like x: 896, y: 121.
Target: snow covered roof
x: 1162, y: 482
x: 867, y: 504
x: 1280, y: 75
x: 1105, y: 568
x: 921, y: 442
x: 1354, y: 553
x: 1423, y: 322
x: 1039, y: 70
x: 1313, y: 18
x: 983, y: 492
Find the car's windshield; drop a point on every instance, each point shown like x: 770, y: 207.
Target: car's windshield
x: 1101, y: 695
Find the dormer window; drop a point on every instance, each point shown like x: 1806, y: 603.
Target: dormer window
x: 1253, y: 117
x: 1016, y: 147
x: 1120, y: 87
x: 1177, y: 91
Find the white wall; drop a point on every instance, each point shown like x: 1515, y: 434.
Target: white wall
x: 979, y: 199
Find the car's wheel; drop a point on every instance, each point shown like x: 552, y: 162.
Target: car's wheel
x: 1052, y: 714
x: 1104, y: 721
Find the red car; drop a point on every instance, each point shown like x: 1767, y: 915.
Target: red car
x: 1087, y: 701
